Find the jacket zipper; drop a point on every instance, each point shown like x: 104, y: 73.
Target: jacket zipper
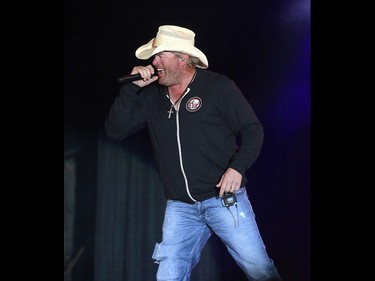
x: 179, y: 147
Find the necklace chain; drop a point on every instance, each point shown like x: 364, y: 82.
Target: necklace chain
x: 170, y: 111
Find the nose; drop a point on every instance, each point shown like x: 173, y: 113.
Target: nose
x: 155, y: 60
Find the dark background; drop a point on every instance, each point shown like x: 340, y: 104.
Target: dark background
x: 112, y: 219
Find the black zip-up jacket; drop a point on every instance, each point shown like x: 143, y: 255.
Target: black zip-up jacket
x: 214, y: 129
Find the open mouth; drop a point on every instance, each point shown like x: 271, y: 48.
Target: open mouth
x: 159, y: 72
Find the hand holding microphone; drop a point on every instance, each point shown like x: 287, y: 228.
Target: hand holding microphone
x: 140, y: 75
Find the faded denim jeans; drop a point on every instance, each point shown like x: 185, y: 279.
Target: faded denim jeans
x: 187, y: 227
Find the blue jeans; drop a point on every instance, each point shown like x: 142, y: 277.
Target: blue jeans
x: 187, y: 227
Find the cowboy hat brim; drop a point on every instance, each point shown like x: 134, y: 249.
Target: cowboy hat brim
x: 148, y: 50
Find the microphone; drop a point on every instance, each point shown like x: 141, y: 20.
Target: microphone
x: 130, y: 78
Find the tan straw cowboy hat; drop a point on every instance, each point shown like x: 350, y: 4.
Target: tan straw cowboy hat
x: 172, y: 38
